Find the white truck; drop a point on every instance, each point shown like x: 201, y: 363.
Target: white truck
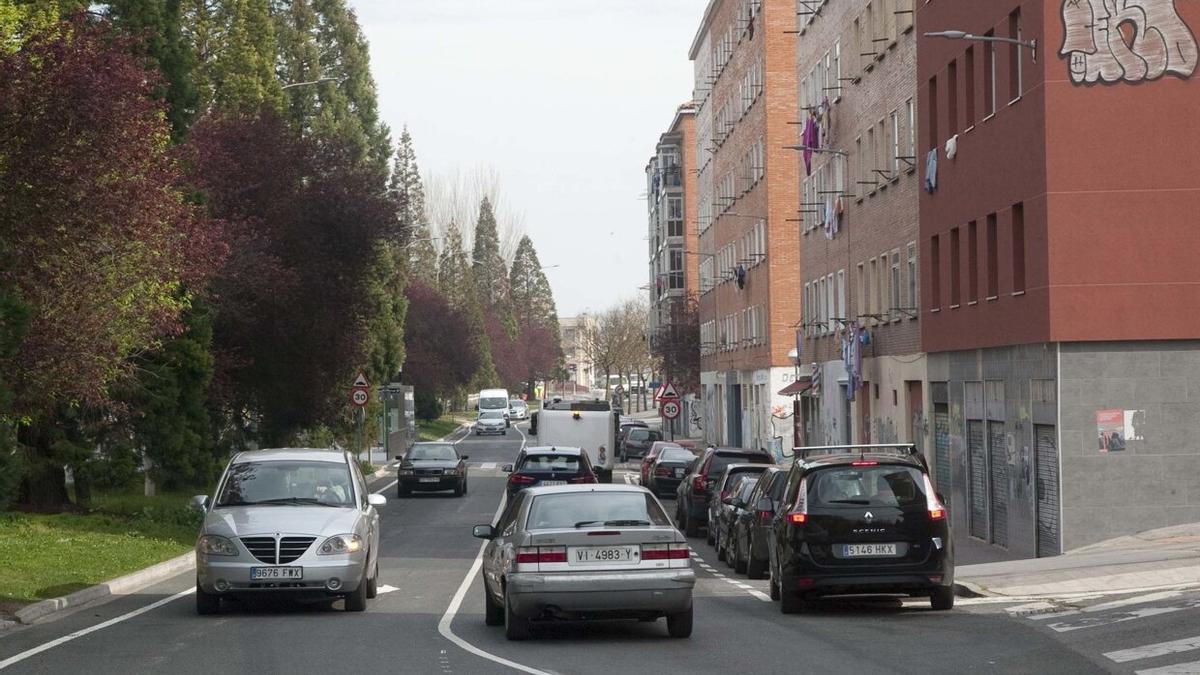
x: 494, y: 400
x: 588, y: 425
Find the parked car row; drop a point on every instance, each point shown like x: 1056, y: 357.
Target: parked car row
x: 840, y: 520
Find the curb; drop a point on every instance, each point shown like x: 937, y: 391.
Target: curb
x: 130, y: 583
x: 966, y: 589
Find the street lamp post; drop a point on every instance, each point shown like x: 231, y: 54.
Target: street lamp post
x: 964, y: 35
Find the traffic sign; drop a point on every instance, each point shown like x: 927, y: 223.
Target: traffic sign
x: 670, y: 409
x: 361, y: 382
x: 668, y: 393
x: 359, y: 397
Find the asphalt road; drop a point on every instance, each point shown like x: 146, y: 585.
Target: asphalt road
x: 429, y: 554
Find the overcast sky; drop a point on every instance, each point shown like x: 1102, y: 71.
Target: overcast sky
x: 565, y: 99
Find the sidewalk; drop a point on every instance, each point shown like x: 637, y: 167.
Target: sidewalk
x: 1164, y: 558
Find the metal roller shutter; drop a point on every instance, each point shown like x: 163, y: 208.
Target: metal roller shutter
x: 1047, y: 491
x: 977, y: 456
x: 998, y: 449
x: 941, y: 448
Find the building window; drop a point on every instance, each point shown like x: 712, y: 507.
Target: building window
x: 837, y: 69
x: 992, y: 272
x: 861, y: 177
x: 881, y: 291
x: 933, y: 112
x: 872, y: 307
x: 675, y: 216
x: 1018, y: 247
x: 895, y: 120
x: 911, y: 153
x: 969, y: 85
x: 675, y: 268
x: 1015, y: 77
x: 860, y: 290
x: 952, y: 99
x: 935, y: 272
x: 843, y: 311
x: 895, y: 306
x: 830, y: 302
x: 989, y: 75
x: 955, y: 269
x: 904, y: 15
x: 914, y: 299
x: 972, y: 262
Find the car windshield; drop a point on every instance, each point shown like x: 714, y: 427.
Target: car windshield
x: 516, y: 403
x: 493, y: 403
x: 677, y: 454
x: 550, y: 463
x: 491, y: 415
x: 432, y: 452
x: 589, y: 509
x: 746, y: 489
x: 869, y: 486
x: 287, y: 483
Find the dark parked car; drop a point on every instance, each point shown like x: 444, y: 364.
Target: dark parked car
x: 860, y: 519
x: 668, y: 469
x: 548, y: 466
x: 651, y: 456
x: 431, y: 467
x: 637, y: 441
x: 753, y: 526
x: 726, y: 511
x: 692, y: 497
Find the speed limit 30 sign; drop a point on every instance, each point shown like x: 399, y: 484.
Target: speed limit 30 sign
x: 670, y: 409
x: 359, y: 397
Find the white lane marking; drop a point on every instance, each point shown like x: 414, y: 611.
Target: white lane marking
x: 386, y: 589
x: 445, y: 626
x: 1120, y: 617
x: 488, y: 465
x: 1154, y: 650
x: 387, y: 487
x: 1106, y: 606
x: 1177, y: 669
x: 91, y: 629
x: 750, y: 590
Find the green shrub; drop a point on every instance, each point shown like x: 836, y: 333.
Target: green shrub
x: 11, y: 471
x: 428, y: 406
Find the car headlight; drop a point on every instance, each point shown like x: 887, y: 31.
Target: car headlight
x: 341, y: 544
x: 405, y: 471
x: 211, y: 544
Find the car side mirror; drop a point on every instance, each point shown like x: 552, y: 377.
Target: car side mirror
x: 464, y: 457
x: 506, y: 468
x: 399, y: 458
x: 483, y: 532
x: 199, y: 502
x: 764, y: 505
x: 376, y: 500
x: 737, y: 501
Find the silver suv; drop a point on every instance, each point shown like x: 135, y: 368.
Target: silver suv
x: 296, y: 521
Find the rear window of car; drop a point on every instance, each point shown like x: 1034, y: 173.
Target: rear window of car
x: 550, y: 463
x: 638, y: 434
x: 594, y: 509
x: 883, y: 485
x: 677, y: 454
x: 721, y: 460
x: 747, y: 488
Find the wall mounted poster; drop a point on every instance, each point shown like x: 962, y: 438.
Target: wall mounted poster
x: 1110, y: 430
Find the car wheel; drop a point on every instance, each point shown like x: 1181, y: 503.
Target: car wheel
x: 739, y: 563
x: 357, y: 601
x: 690, y: 528
x: 207, y: 603
x: 710, y: 536
x: 730, y: 552
x: 403, y: 491
x: 679, y: 625
x: 790, y: 602
x: 459, y: 489
x: 464, y: 486
x: 942, y: 598
x: 373, y: 582
x: 515, y: 627
x: 493, y: 612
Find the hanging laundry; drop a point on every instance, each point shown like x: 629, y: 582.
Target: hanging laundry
x: 740, y: 273
x: 931, y: 171
x: 952, y: 146
x: 811, y: 138
x: 826, y: 123
x: 830, y: 217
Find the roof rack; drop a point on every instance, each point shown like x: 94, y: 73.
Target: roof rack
x: 901, y: 449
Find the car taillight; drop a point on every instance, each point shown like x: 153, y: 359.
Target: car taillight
x: 583, y: 478
x: 521, y: 479
x: 764, y: 516
x: 799, y: 515
x: 665, y: 552
x: 541, y: 554
x: 662, y: 471
x: 937, y: 510
x: 699, y: 483
x: 864, y: 463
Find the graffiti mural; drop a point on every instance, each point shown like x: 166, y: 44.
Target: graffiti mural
x: 1126, y: 40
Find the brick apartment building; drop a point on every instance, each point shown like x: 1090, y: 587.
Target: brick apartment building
x: 862, y: 376
x: 671, y: 212
x: 748, y: 255
x: 1060, y: 290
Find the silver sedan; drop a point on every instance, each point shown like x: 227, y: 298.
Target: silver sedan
x: 295, y: 521
x: 598, y: 551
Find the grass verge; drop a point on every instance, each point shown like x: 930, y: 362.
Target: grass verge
x: 48, y: 555
x: 435, y: 429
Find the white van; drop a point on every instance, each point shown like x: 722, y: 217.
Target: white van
x: 590, y: 426
x: 495, y: 400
